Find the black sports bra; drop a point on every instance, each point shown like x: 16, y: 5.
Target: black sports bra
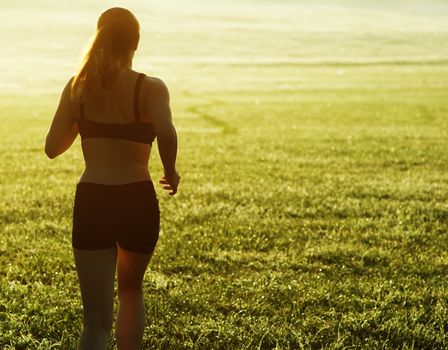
x: 138, y: 131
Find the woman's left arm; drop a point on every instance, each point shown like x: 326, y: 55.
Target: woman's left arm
x: 64, y: 128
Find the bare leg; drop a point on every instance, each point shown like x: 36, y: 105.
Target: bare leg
x: 130, y: 321
x: 96, y: 274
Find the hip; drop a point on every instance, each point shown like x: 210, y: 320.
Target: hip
x: 137, y: 197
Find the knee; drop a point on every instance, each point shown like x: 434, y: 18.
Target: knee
x: 129, y: 291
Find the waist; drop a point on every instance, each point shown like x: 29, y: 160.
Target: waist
x: 107, y: 176
x: 123, y: 186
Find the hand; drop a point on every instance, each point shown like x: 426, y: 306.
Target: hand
x: 170, y: 182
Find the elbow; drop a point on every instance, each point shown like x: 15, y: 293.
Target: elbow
x: 50, y: 152
x: 168, y: 134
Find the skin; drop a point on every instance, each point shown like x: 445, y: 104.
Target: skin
x: 115, y: 161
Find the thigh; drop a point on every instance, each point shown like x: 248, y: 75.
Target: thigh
x: 131, y: 268
x: 96, y: 274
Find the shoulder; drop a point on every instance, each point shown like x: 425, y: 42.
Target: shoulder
x: 156, y: 87
x: 67, y: 92
x: 68, y: 86
x: 68, y: 99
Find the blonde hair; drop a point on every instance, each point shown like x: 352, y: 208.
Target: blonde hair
x: 117, y: 35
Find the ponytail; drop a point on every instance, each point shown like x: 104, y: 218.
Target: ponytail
x: 108, y: 54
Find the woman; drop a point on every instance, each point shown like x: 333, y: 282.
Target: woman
x: 118, y: 113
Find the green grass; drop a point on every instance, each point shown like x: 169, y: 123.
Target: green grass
x: 312, y: 211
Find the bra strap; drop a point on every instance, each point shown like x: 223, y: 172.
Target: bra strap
x: 137, y: 97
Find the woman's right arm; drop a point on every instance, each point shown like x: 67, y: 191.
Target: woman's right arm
x: 158, y: 107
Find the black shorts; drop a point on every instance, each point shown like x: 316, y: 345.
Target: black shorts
x: 104, y: 215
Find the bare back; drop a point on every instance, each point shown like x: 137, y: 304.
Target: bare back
x: 110, y: 160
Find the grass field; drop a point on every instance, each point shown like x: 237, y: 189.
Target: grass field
x: 313, y: 207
